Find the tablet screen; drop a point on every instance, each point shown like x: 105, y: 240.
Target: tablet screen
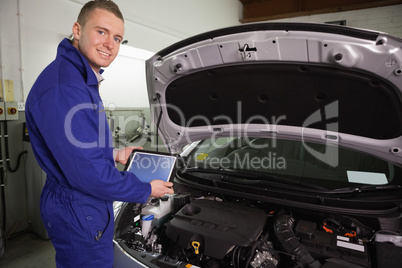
x: 148, y: 166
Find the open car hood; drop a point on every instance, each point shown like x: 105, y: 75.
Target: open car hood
x: 315, y: 82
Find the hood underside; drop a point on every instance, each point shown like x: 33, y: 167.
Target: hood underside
x: 314, y: 82
x: 367, y: 106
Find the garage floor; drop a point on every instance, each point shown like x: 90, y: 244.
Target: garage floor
x: 28, y: 251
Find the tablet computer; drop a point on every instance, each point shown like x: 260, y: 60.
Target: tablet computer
x: 148, y: 166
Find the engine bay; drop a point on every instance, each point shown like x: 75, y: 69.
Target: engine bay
x: 205, y: 230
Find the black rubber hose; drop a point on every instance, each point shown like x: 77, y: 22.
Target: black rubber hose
x: 12, y: 170
x: 284, y: 232
x: 9, y: 168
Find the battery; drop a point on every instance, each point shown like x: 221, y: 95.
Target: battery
x: 323, y: 245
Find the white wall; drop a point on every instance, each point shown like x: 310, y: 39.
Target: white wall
x: 125, y: 83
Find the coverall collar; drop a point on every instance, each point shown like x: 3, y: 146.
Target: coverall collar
x: 75, y: 57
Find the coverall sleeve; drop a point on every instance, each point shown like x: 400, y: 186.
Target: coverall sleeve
x: 73, y: 125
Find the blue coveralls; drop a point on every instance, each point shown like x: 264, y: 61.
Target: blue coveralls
x: 72, y: 143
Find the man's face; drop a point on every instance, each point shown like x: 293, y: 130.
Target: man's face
x: 100, y: 38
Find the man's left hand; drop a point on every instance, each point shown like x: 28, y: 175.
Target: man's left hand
x: 124, y: 153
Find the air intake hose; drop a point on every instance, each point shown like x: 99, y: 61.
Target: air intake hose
x: 284, y: 232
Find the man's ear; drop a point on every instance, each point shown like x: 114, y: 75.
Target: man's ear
x: 76, y: 31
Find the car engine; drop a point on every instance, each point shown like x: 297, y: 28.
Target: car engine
x: 208, y: 231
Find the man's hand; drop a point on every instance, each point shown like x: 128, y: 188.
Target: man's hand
x: 124, y: 153
x: 160, y: 188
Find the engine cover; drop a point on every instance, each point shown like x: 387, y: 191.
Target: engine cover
x: 217, y: 226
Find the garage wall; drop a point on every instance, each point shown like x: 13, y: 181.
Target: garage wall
x: 386, y: 19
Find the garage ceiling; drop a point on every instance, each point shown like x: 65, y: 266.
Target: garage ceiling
x: 262, y: 10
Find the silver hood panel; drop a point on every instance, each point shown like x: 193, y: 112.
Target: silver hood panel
x: 314, y: 82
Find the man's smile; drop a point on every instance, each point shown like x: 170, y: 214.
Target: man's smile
x: 104, y: 53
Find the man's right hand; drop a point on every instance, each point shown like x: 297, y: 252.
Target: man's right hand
x: 160, y: 188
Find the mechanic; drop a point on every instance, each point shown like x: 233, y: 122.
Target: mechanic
x: 72, y: 143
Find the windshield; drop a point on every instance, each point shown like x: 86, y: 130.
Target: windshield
x: 307, y: 163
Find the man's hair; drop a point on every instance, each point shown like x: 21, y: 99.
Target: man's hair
x: 107, y: 5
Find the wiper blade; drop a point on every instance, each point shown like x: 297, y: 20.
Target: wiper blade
x: 284, y: 180
x: 367, y: 188
x: 202, y: 170
x: 255, y: 178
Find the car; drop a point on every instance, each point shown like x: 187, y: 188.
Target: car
x: 288, y: 139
